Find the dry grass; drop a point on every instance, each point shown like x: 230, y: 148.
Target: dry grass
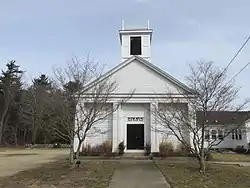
x: 4, y: 149
x: 16, y: 160
x: 187, y: 175
x: 18, y: 154
x: 234, y: 157
x: 62, y: 174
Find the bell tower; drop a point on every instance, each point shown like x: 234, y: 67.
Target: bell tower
x: 135, y: 41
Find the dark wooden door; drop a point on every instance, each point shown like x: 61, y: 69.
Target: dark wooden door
x: 135, y: 136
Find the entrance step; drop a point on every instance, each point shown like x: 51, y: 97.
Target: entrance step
x: 137, y: 156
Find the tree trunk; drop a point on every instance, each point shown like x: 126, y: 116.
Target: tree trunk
x: 34, y: 133
x: 16, y: 137
x: 71, y: 154
x: 3, y: 123
x: 24, y: 136
x: 1, y: 133
x: 202, y: 163
x: 79, y: 148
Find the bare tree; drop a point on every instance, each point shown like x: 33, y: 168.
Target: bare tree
x: 10, y: 85
x: 34, y: 107
x: 82, y: 106
x: 211, y: 91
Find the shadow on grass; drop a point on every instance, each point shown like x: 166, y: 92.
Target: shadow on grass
x: 62, y: 174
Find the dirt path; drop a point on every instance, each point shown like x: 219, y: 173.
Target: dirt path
x: 13, y: 161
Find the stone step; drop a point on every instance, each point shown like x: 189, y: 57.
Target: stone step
x: 139, y: 156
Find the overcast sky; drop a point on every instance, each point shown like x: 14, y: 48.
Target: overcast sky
x: 41, y: 34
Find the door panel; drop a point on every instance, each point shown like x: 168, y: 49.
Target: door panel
x: 135, y: 136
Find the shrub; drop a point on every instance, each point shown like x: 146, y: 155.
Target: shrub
x: 166, y: 148
x: 86, y: 149
x: 65, y: 145
x: 121, y: 148
x: 240, y: 149
x: 105, y: 147
x: 100, y: 149
x: 95, y: 150
x: 147, y: 149
x: 208, y: 155
x: 156, y: 154
x: 181, y: 148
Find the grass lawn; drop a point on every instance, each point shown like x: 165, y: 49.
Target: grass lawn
x: 234, y: 157
x: 61, y: 174
x: 187, y: 175
x: 18, y: 154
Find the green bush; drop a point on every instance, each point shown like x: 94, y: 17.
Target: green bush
x: 166, y: 148
x: 240, y: 149
x: 147, y: 149
x: 121, y: 148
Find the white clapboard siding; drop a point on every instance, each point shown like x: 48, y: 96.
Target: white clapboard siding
x: 148, y: 82
x: 100, y: 132
x: 95, y: 137
x: 164, y: 134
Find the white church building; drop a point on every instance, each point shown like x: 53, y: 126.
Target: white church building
x: 132, y: 122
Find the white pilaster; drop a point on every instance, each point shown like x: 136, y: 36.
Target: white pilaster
x: 190, y: 135
x: 121, y: 126
x: 153, y: 123
x: 116, y: 127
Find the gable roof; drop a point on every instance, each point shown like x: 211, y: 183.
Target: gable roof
x: 147, y: 64
x: 224, y: 117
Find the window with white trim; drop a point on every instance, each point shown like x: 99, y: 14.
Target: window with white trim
x: 220, y: 134
x: 207, y: 135
x: 214, y: 134
x: 237, y: 134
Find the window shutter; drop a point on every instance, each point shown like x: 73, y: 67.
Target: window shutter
x: 145, y: 46
x: 125, y: 46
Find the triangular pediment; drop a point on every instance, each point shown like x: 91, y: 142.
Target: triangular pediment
x: 145, y: 78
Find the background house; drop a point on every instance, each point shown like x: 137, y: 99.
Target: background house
x: 220, y: 123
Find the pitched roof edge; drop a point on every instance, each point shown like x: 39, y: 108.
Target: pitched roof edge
x: 108, y: 73
x: 146, y: 63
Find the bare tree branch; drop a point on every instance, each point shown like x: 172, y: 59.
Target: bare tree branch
x: 82, y: 107
x: 211, y: 93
